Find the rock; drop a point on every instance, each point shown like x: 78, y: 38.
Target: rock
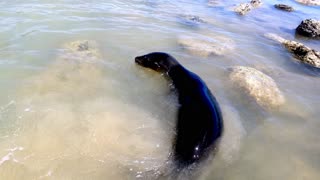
x: 243, y: 8
x: 191, y: 19
x: 194, y: 18
x: 257, y: 85
x: 255, y: 3
x: 206, y: 46
x: 303, y: 53
x: 309, y: 28
x: 300, y: 51
x: 309, y: 2
x: 83, y: 46
x: 80, y: 49
x: 284, y: 7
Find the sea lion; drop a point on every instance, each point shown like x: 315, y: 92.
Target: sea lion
x: 199, y: 122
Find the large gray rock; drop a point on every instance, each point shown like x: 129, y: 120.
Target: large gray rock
x: 309, y: 2
x: 309, y: 28
x: 300, y: 51
x: 257, y: 85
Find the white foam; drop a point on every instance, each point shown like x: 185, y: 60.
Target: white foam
x: 6, y: 158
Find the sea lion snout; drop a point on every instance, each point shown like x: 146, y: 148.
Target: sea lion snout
x: 138, y: 60
x: 149, y: 61
x: 157, y: 61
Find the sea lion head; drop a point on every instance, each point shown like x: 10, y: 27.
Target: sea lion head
x: 157, y: 61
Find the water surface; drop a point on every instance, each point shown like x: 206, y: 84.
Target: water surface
x: 65, y: 115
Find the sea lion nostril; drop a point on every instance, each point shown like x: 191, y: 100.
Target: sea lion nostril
x: 138, y: 60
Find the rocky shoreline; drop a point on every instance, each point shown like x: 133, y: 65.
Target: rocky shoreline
x: 258, y: 86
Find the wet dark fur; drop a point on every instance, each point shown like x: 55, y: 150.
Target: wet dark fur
x: 199, y: 122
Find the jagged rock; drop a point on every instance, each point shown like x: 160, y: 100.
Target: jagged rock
x: 309, y: 2
x: 309, y: 28
x: 304, y: 53
x: 257, y: 85
x: 243, y: 8
x: 300, y: 51
x: 206, y: 46
x: 284, y: 7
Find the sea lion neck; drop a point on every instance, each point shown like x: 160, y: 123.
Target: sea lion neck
x: 176, y: 73
x: 170, y: 63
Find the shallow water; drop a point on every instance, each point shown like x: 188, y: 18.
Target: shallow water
x: 69, y: 115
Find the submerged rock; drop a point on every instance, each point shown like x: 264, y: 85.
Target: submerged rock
x: 257, y: 85
x: 82, y: 48
x: 195, y: 19
x: 76, y: 72
x: 191, y: 20
x: 300, y: 51
x: 309, y: 2
x: 284, y: 7
x: 309, y: 28
x: 206, y: 46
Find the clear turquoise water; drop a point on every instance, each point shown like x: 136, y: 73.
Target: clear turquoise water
x: 113, y: 120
